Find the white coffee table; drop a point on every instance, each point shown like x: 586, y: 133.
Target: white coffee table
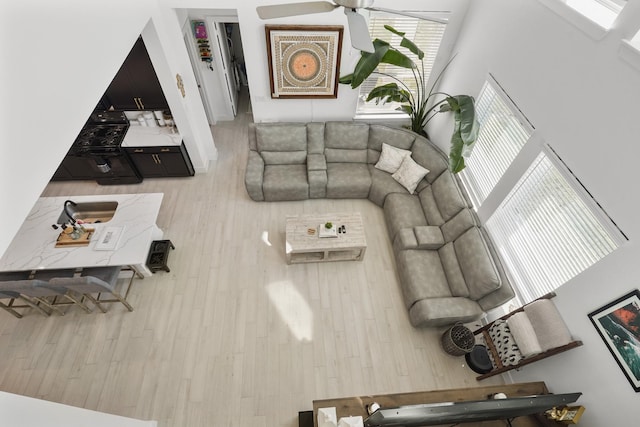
x: 304, y: 246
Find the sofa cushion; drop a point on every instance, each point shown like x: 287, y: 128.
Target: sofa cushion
x: 382, y: 184
x: 448, y: 196
x: 409, y: 174
x: 429, y: 206
x: 315, y: 138
x: 316, y: 162
x: 396, y: 137
x: 479, y: 271
x: 405, y: 239
x: 428, y: 156
x: 284, y: 157
x: 421, y: 275
x: 348, y: 180
x: 428, y: 236
x: 452, y: 270
x: 457, y: 225
x: 444, y: 311
x: 391, y: 158
x: 285, y: 182
x: 402, y: 210
x: 346, y: 135
x: 339, y: 155
x: 281, y: 137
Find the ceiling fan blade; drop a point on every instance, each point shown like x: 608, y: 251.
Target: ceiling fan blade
x: 409, y: 14
x: 294, y: 9
x: 359, y: 31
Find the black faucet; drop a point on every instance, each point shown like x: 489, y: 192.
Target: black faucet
x: 66, y: 211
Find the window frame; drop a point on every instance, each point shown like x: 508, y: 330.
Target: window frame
x: 519, y: 168
x: 390, y: 112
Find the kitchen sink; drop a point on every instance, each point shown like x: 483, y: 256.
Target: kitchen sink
x: 89, y: 212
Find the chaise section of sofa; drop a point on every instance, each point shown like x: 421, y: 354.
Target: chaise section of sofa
x: 448, y: 269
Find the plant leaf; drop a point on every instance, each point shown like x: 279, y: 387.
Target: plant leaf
x: 456, y: 159
x: 369, y: 62
x: 465, y: 132
x: 466, y: 115
x: 397, y: 58
x: 387, y: 93
x: 394, y: 31
x: 406, y: 108
x: 346, y: 79
x: 405, y: 42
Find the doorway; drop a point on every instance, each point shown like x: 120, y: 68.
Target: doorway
x: 222, y: 76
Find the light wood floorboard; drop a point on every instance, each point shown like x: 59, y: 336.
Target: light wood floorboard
x: 232, y: 336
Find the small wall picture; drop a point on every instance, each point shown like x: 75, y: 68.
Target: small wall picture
x: 304, y: 60
x: 618, y: 323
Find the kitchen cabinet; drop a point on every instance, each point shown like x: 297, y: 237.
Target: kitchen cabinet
x: 161, y: 161
x: 75, y: 168
x: 136, y: 85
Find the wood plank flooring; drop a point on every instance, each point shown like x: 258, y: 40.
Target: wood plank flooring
x: 232, y: 336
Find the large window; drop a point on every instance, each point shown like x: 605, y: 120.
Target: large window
x: 547, y: 232
x: 427, y: 35
x: 502, y: 135
x: 545, y: 225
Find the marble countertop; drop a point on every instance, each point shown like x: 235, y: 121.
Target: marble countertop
x: 33, y: 247
x: 143, y: 136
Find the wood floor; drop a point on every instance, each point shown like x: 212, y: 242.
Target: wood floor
x: 232, y: 336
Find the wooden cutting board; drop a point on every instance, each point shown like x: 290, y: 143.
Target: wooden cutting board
x: 65, y: 240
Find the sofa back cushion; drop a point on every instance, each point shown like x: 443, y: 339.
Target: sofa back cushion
x: 315, y: 138
x: 451, y: 267
x: 428, y: 156
x: 346, y: 142
x: 282, y: 144
x: 448, y: 195
x: 478, y: 268
x: 461, y: 222
x: 378, y: 135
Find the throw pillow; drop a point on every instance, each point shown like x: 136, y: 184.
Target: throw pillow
x: 391, y: 158
x: 409, y: 174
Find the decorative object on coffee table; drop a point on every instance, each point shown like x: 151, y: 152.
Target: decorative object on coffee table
x: 618, y: 323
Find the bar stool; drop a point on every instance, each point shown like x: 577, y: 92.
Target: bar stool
x: 11, y: 285
x: 42, y: 288
x: 97, y: 280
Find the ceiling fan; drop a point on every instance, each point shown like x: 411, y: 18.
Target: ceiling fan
x: 360, y: 38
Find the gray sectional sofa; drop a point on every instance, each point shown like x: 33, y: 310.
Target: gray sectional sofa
x: 449, y: 272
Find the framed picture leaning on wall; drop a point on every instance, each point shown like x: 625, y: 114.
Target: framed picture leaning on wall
x: 618, y: 323
x: 304, y: 60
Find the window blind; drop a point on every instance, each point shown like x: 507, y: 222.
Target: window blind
x: 501, y: 136
x: 613, y: 5
x: 427, y: 35
x: 546, y: 232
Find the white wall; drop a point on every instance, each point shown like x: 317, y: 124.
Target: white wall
x: 582, y: 99
x: 22, y: 411
x: 55, y: 64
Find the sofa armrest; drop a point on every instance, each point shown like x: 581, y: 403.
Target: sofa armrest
x: 316, y: 162
x: 405, y: 239
x: 254, y: 175
x: 428, y: 236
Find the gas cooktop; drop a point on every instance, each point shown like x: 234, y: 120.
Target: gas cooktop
x: 103, y: 132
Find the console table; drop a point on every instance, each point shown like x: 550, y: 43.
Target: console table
x: 354, y: 406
